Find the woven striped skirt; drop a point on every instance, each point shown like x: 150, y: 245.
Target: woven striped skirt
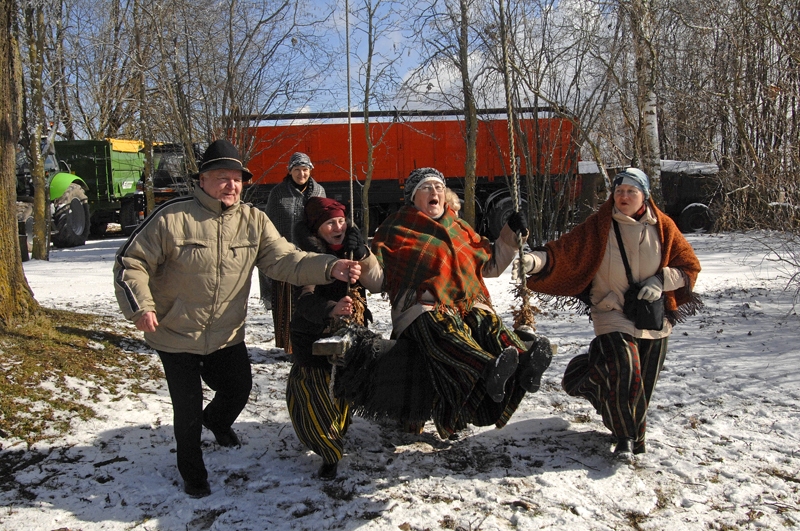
x: 319, y: 421
x: 618, y: 376
x: 457, y: 351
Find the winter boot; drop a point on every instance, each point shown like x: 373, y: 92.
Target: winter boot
x: 624, y: 450
x: 327, y: 471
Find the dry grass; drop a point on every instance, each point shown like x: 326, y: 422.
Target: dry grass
x: 42, y: 360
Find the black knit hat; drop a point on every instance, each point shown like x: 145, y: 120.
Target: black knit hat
x: 416, y: 178
x: 222, y: 155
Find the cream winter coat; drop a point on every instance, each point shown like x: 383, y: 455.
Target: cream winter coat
x: 191, y: 262
x: 643, y: 249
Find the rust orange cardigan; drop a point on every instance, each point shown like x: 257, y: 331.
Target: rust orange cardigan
x: 574, y: 258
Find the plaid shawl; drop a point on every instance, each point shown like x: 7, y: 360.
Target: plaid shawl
x: 573, y: 261
x: 444, y: 256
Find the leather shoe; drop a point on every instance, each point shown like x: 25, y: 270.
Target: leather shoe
x: 197, y: 489
x: 533, y: 364
x: 226, y: 437
x: 624, y: 446
x: 498, y: 371
x: 327, y: 471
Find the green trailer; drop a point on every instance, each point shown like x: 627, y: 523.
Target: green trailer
x: 91, y: 183
x: 111, y: 170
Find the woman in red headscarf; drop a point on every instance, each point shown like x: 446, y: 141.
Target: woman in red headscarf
x: 319, y: 420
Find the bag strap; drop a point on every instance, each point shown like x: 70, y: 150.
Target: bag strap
x: 622, y: 253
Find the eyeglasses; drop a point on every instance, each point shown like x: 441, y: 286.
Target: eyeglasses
x: 428, y: 188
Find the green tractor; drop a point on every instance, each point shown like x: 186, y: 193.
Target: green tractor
x: 91, y: 183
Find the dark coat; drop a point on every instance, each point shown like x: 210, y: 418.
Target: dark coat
x: 311, y: 320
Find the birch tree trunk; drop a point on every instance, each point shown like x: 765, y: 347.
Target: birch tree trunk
x: 645, y: 53
x: 470, y: 116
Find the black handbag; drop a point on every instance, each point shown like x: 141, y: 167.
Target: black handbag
x: 646, y: 315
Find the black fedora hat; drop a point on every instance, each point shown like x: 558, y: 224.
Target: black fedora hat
x: 222, y: 155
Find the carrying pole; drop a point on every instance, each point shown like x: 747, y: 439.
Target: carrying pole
x: 349, y: 109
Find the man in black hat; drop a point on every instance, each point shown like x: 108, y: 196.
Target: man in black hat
x: 183, y: 277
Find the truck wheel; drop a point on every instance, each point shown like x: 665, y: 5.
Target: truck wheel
x: 127, y: 217
x: 98, y: 230
x: 497, y: 214
x: 696, y: 218
x: 71, y: 218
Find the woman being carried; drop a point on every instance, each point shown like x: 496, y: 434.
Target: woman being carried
x: 455, y: 360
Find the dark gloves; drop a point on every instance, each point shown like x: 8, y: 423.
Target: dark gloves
x: 518, y: 222
x: 354, y: 242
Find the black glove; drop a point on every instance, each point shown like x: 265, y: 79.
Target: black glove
x: 354, y: 242
x: 518, y: 222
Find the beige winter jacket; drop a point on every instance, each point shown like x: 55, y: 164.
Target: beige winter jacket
x: 191, y: 263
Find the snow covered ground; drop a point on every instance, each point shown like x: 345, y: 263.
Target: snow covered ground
x: 723, y: 434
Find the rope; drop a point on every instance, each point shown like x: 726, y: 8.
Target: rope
x: 524, y: 316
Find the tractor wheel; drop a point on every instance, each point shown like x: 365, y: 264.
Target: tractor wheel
x: 696, y: 218
x: 71, y: 218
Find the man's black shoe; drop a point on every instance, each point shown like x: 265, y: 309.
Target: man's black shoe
x: 197, y: 489
x: 226, y: 437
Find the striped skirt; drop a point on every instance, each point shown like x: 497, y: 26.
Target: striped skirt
x: 457, y: 351
x: 319, y: 421
x: 618, y: 376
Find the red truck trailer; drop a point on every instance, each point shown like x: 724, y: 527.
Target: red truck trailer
x: 412, y: 140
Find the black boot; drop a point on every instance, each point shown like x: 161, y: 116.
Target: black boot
x: 624, y: 448
x: 533, y: 363
x: 327, y: 471
x: 499, y: 371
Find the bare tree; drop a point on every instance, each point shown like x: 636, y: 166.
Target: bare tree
x: 375, y: 23
x: 448, y: 34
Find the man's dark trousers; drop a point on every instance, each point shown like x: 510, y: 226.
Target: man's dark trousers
x: 227, y: 372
